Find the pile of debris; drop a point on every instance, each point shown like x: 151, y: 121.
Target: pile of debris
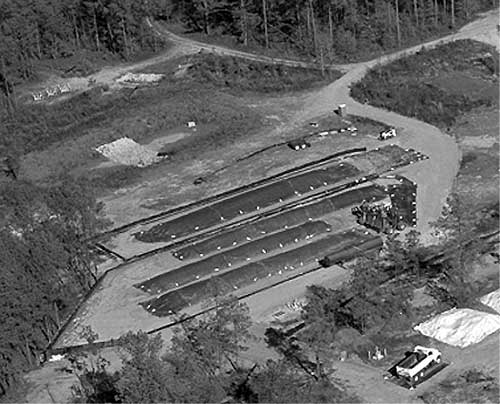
x: 126, y: 151
x: 379, y: 217
x: 51, y: 92
x: 139, y: 78
x: 460, y: 327
x: 492, y: 300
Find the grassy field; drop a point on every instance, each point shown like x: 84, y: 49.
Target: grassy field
x: 436, y: 85
x: 477, y: 133
x: 215, y: 93
x: 472, y: 386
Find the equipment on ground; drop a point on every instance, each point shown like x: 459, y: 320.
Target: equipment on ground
x: 387, y: 134
x: 298, y: 144
x: 380, y: 217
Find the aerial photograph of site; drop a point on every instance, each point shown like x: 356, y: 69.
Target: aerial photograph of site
x: 249, y: 201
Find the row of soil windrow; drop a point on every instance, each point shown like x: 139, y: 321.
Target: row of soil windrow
x: 231, y: 258
x: 276, y: 193
x: 278, y: 222
x: 173, y: 301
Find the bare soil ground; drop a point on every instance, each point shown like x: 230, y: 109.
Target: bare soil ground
x: 114, y: 307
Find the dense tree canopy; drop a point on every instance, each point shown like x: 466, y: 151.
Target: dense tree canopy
x: 31, y: 30
x: 44, y: 266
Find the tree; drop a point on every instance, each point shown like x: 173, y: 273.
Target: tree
x: 405, y: 256
x: 144, y: 377
x: 280, y: 382
x: 45, y: 264
x: 96, y: 384
x: 459, y: 225
x: 321, y: 319
x: 204, y: 349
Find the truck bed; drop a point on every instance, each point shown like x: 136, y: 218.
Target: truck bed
x: 408, y: 384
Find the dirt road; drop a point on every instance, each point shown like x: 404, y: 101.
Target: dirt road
x: 434, y: 176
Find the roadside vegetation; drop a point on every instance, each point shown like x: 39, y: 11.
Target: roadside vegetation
x: 436, y: 85
x: 240, y: 75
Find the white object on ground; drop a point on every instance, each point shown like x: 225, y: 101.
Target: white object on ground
x: 191, y: 124
x: 55, y: 358
x: 140, y: 78
x: 460, y: 327
x: 126, y: 151
x: 492, y: 300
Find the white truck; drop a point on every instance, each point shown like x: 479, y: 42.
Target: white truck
x: 418, y: 363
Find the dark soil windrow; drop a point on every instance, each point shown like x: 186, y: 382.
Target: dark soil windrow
x: 172, y: 302
x: 248, y: 202
x: 382, y: 159
x: 404, y: 200
x: 233, y: 257
x: 278, y: 222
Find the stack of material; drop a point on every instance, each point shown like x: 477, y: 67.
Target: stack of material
x: 492, y: 300
x: 460, y: 327
x: 140, y: 78
x: 126, y: 151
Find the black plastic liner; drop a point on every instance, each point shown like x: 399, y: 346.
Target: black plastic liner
x: 173, y: 301
x: 281, y: 221
x: 225, y: 260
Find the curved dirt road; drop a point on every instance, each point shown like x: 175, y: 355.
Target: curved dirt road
x: 434, y: 176
x: 196, y: 46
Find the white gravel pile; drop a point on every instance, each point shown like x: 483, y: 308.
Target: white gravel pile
x: 128, y: 152
x: 140, y: 78
x: 460, y: 327
x: 492, y: 300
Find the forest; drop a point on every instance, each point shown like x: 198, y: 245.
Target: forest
x: 31, y: 31
x: 45, y: 268
x: 333, y: 30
